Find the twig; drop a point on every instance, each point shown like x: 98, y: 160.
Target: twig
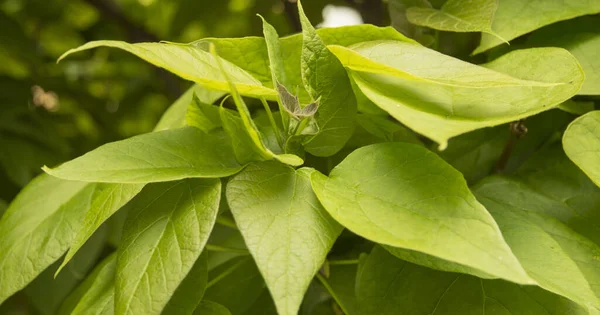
x: 517, y: 131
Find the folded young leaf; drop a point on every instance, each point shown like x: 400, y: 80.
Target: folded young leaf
x: 559, y: 259
x: 581, y: 37
x: 155, y: 157
x: 190, y: 63
x: 282, y: 220
x: 514, y: 18
x: 175, y: 115
x: 107, y: 200
x: 166, y: 229
x: 247, y: 141
x: 441, y: 97
x: 456, y: 16
x: 389, y: 286
x: 403, y: 195
x: 581, y: 142
x: 38, y: 227
x: 203, y: 116
x: 326, y: 80
x: 96, y: 294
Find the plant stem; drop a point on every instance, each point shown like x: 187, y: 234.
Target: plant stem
x: 224, y: 274
x: 272, y: 121
x: 217, y: 248
x: 517, y: 130
x: 301, y: 126
x: 330, y: 290
x: 343, y: 262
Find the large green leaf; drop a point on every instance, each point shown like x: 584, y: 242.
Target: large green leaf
x: 441, y: 97
x: 582, y: 144
x: 558, y: 258
x: 456, y: 16
x: 189, y: 293
x: 326, y: 82
x: 154, y: 157
x: 96, y: 294
x: 398, y: 193
x: 387, y: 285
x: 165, y: 232
x: 38, y: 227
x: 282, y: 220
x: 190, y: 63
x: 175, y: 115
x: 109, y: 199
x: 581, y: 37
x: 514, y: 18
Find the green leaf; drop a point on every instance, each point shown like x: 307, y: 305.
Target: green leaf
x: 47, y: 292
x: 154, y: 157
x: 398, y: 8
x: 559, y: 259
x: 175, y: 116
x: 582, y: 144
x: 188, y: 295
x: 442, y: 97
x: 96, y: 294
x: 203, y: 116
x: 581, y: 37
x: 281, y: 220
x: 387, y: 285
x: 514, y: 18
x: 456, y: 16
x: 341, y: 281
x: 398, y: 193
x: 211, y: 308
x: 236, y: 284
x: 325, y: 80
x: 190, y: 63
x: 108, y: 199
x: 275, y: 57
x: 165, y: 232
x: 38, y: 227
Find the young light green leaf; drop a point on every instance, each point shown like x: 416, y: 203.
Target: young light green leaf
x: 398, y: 193
x: 154, y: 157
x: 581, y: 37
x: 457, y: 16
x: 165, y: 232
x: 389, y: 286
x: 190, y: 63
x: 558, y: 258
x: 278, y: 73
x: 96, y: 294
x: 203, y: 116
x: 325, y: 80
x: 175, y: 116
x: 514, y: 18
x: 108, y: 199
x: 38, y: 227
x: 247, y: 130
x: 442, y: 97
x: 582, y: 144
x: 281, y: 220
x: 188, y: 295
x: 211, y: 308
